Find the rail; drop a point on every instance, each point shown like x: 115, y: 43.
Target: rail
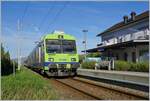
x: 103, y: 91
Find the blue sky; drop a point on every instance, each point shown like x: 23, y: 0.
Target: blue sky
x: 38, y: 18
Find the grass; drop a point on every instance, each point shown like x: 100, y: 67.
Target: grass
x: 26, y: 85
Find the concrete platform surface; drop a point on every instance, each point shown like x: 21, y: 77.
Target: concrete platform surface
x: 140, y: 78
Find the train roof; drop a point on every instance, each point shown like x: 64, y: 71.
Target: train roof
x: 56, y: 34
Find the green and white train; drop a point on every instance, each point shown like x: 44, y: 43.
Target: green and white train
x: 55, y: 55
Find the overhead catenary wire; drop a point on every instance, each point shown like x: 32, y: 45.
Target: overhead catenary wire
x: 45, y: 17
x: 25, y: 12
x: 56, y: 16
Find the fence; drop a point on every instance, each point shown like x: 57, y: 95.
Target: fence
x: 105, y: 65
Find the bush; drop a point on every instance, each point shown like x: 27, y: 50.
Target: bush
x: 133, y: 66
x: 130, y: 66
x: 143, y: 66
x: 88, y: 65
x: 122, y: 65
x: 81, y: 58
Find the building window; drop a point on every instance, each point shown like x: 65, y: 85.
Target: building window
x: 125, y: 56
x: 133, y: 57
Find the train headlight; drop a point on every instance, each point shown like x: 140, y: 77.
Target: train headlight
x: 51, y: 59
x: 73, y: 59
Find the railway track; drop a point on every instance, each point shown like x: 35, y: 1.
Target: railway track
x: 100, y: 91
x: 69, y: 93
x: 103, y: 91
x: 81, y: 95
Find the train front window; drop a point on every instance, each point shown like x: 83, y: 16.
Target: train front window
x: 68, y: 46
x: 60, y: 46
x: 53, y: 46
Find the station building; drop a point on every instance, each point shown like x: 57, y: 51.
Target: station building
x: 127, y: 40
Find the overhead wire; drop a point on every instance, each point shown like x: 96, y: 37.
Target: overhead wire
x: 56, y: 16
x: 45, y: 17
x: 25, y: 12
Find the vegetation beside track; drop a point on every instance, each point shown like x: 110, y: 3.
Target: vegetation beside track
x: 120, y: 66
x: 7, y: 65
x: 88, y: 65
x: 26, y: 85
x: 130, y: 66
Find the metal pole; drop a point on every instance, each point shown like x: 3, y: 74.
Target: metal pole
x: 85, y: 44
x: 18, y: 50
x: 85, y: 32
x: 14, y: 68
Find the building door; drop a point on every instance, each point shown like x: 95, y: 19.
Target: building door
x: 125, y: 56
x: 133, y: 57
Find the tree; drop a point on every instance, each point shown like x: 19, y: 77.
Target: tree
x: 6, y: 63
x: 2, y: 51
x: 7, y: 55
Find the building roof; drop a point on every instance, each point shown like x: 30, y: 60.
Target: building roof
x: 122, y: 24
x: 91, y: 50
x: 130, y: 43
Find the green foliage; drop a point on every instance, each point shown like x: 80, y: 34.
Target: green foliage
x: 88, y: 65
x: 26, y: 85
x: 96, y: 54
x: 130, y: 66
x: 122, y: 65
x: 143, y: 66
x: 81, y: 58
x: 2, y: 51
x: 6, y: 63
x: 7, y: 55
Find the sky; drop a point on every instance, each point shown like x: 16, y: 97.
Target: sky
x: 40, y: 18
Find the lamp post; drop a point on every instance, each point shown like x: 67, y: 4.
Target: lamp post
x: 85, y: 40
